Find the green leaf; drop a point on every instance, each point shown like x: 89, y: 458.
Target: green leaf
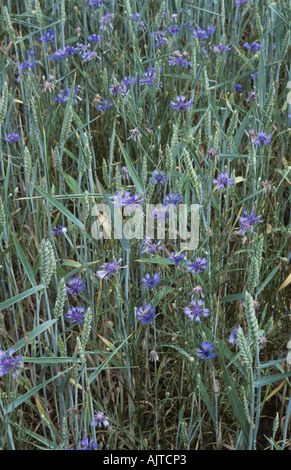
x: 24, y: 261
x: 33, y: 334
x: 234, y: 400
x: 271, y: 379
x: 101, y: 367
x: 17, y: 298
x: 23, y: 398
x: 131, y: 169
x: 60, y: 207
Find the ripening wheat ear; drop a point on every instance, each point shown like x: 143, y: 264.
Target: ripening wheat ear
x: 4, y: 102
x: 251, y: 318
x: 61, y: 298
x: 47, y: 262
x: 244, y: 348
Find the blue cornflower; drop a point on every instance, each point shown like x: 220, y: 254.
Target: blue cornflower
x: 29, y: 54
x: 104, y: 105
x: 95, y: 3
x: 88, y: 55
x: 263, y: 139
x: 109, y: 269
x: 248, y: 221
x: 158, y: 177
x: 197, y: 266
x: 254, y: 46
x: 106, y: 21
x: 94, y: 38
x: 160, y: 38
x: 146, y: 314
x: 48, y: 36
x: 126, y: 199
x: 75, y: 285
x: 181, y: 104
x: 238, y: 87
x: 223, y: 180
x: 212, y: 152
x: 8, y: 363
x: 252, y: 96
x: 173, y: 198
x: 128, y: 80
x: 59, y: 231
x: 255, y: 75
x: 240, y: 3
x: 135, y: 17
x: 151, y: 281
x: 149, y: 77
x: 149, y: 247
x: 12, y: 137
x: 135, y: 134
x: 221, y: 48
x: 63, y: 96
x: 174, y: 29
x: 88, y: 443
x: 201, y: 34
x: 161, y: 213
x: 76, y: 314
x: 206, y: 351
x: 196, y: 310
x: 232, y: 339
x: 118, y: 88
x: 177, y: 259
x: 179, y: 59
x: 100, y: 420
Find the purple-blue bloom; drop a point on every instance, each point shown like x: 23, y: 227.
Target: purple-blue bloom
x: 100, y: 420
x: 48, y: 36
x: 248, y: 221
x: 151, y: 281
x: 254, y: 46
x: 206, y: 351
x: 59, y: 231
x: 159, y: 177
x: 146, y: 314
x: 238, y: 87
x: 88, y: 443
x: 196, y: 310
x: 109, y: 269
x: 180, y: 103
x: 223, y: 180
x: 177, y: 259
x: 75, y: 285
x: 173, y: 198
x: 12, y: 137
x: 8, y: 363
x: 263, y: 139
x: 197, y: 266
x: 94, y: 38
x: 232, y: 339
x: 76, y: 314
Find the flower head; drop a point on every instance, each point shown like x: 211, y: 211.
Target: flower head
x: 88, y: 443
x: 223, y: 181
x: 177, y: 259
x: 8, y: 363
x: 146, y: 314
x: 206, y: 351
x: 196, y: 310
x: 248, y: 221
x: 75, y: 285
x: 100, y: 420
x: 232, y: 339
x: 59, y: 231
x: 109, y: 269
x: 76, y: 314
x: 12, y: 137
x: 151, y: 281
x: 180, y: 103
x: 197, y: 266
